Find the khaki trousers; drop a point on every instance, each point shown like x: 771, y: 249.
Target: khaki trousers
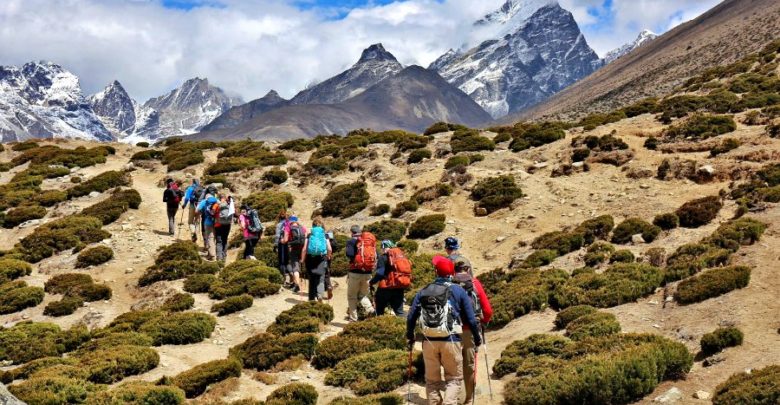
x: 449, y: 356
x: 357, y: 291
x: 192, y: 220
x: 468, y: 363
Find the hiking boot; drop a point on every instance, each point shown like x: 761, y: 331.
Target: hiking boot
x: 210, y: 258
x: 296, y: 289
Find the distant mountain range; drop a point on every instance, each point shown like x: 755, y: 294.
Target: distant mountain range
x: 644, y: 37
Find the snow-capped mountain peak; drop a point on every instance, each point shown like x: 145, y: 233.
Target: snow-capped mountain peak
x: 376, y: 52
x: 643, y: 38
x: 115, y: 108
x: 514, y: 12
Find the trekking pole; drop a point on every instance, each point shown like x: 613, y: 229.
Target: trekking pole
x: 487, y: 365
x: 409, y: 377
x: 474, y: 387
x: 181, y: 221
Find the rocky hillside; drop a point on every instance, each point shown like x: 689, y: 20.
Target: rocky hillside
x: 635, y: 250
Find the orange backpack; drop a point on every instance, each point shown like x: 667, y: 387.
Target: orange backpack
x: 365, y: 256
x: 399, y: 275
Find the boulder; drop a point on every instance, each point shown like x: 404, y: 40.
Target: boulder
x: 702, y: 395
x: 673, y: 396
x: 6, y: 398
x: 637, y: 239
x: 94, y: 194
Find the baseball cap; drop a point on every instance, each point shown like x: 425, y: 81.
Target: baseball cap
x: 444, y: 266
x: 355, y: 229
x: 293, y: 219
x: 387, y: 244
x: 451, y: 243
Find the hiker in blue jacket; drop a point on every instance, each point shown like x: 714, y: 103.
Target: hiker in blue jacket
x: 207, y: 217
x: 191, y: 197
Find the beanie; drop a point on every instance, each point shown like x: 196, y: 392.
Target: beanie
x: 444, y: 266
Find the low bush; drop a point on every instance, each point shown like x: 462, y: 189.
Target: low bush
x: 459, y: 160
x: 11, y: 269
x: 195, y: 380
x: 176, y: 261
x: 619, y: 284
x: 178, y: 302
x: 360, y: 337
x: 100, y: 183
x: 229, y: 165
x: 293, y: 394
x: 532, y: 347
x: 667, y: 221
x: 712, y: 283
x: 246, y: 277
x: 757, y: 387
x: 404, y: 207
x: 23, y: 146
x: 276, y: 176
x: 720, y: 339
x: 371, y: 373
x: 27, y: 341
x: 298, y: 145
x: 199, y: 283
x: 622, y: 256
x: 178, y: 328
x: 427, y: 226
x: 345, y: 200
x: 110, y: 365
x: 110, y: 209
x: 265, y: 350
x: 65, y: 283
x: 442, y: 127
x: 495, y: 193
x: 29, y: 368
x: 326, y: 166
x: 23, y: 214
x: 65, y: 306
x: 146, y: 155
x: 50, y: 155
x: 50, y: 198
x: 598, y: 253
x: 700, y: 127
x: 469, y: 140
x: 94, y: 256
x: 539, y: 258
x: 233, y: 304
x: 376, y: 399
x: 107, y: 340
x: 563, y: 318
x: 527, y: 135
x: 635, y: 226
x: 184, y: 154
x: 699, y: 212
x: 592, y: 325
x: 379, y: 210
x: 431, y: 193
x: 53, y: 390
x: 387, y: 229
x: 138, y: 393
x: 597, y: 228
x: 302, y: 318
x: 725, y: 146
x: 269, y: 203
x: 418, y: 155
x: 17, y: 295
x: 514, y: 294
x: 561, y: 242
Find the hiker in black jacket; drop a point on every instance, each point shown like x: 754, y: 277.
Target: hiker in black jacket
x: 171, y: 197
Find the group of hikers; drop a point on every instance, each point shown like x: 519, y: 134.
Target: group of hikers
x: 450, y: 312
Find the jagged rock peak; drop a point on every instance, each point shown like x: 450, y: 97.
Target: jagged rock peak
x: 376, y: 52
x: 514, y: 10
x: 643, y: 38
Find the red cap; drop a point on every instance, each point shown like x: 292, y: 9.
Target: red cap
x: 444, y: 266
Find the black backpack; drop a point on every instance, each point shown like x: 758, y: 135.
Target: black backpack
x: 297, y: 236
x: 466, y: 281
x: 197, y: 194
x: 255, y: 225
x: 436, y: 315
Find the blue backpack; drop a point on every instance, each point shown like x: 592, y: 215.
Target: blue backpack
x: 317, y: 242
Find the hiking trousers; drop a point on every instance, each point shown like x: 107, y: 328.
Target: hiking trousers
x: 389, y: 297
x: 172, y: 218
x: 208, y: 239
x: 221, y: 234
x: 249, y: 247
x: 283, y: 255
x: 469, y: 354
x: 316, y: 268
x: 192, y: 221
x: 439, y: 355
x: 357, y: 292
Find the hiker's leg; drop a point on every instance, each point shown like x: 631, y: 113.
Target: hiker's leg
x: 172, y: 220
x: 295, y: 268
x: 252, y: 246
x: 433, y: 380
x: 208, y: 240
x: 381, y: 299
x: 396, y: 300
x: 247, y: 248
x: 452, y: 362
x: 314, y: 281
x: 192, y: 221
x: 363, y: 292
x: 468, y: 363
x: 352, y: 296
x: 224, y: 237
x: 218, y: 238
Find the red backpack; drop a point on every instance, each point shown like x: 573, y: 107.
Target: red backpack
x: 399, y: 275
x: 176, y: 192
x: 365, y: 255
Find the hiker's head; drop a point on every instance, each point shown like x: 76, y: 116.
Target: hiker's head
x: 462, y: 266
x: 443, y: 266
x: 282, y: 215
x: 355, y: 229
x: 211, y: 190
x: 451, y: 244
x: 168, y: 182
x: 318, y: 222
x: 387, y: 245
x: 195, y: 181
x: 293, y: 219
x: 244, y: 208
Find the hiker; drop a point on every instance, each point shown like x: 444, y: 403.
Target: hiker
x: 333, y: 248
x: 171, y: 197
x: 452, y: 246
x: 207, y: 220
x: 361, y: 252
x: 224, y: 211
x: 282, y: 249
x: 394, y: 276
x: 191, y: 199
x: 483, y: 312
x: 294, y: 237
x: 442, y: 308
x: 252, y: 228
x: 316, y: 253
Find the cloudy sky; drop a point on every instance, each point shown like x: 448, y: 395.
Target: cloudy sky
x: 251, y: 46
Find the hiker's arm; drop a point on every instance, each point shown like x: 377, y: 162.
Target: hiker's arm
x: 330, y: 249
x: 469, y: 317
x: 411, y: 319
x: 350, y: 249
x: 484, y: 302
x: 381, y: 267
x: 303, y: 249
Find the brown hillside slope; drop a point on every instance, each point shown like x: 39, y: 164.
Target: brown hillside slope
x: 724, y: 34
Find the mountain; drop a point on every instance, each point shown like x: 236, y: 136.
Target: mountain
x: 245, y: 112
x: 726, y: 33
x: 539, y: 50
x: 43, y: 100
x: 375, y: 65
x: 115, y: 108
x: 644, y: 37
x: 411, y: 100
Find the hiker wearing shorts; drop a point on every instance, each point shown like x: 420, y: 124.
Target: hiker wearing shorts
x: 295, y: 238
x: 191, y: 197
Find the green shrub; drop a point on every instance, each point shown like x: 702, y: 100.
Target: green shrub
x: 597, y: 228
x: 376, y: 399
x: 100, y: 183
x: 195, y: 380
x: 469, y: 140
x: 598, y: 253
x: 699, y: 212
x: 326, y: 166
x: 94, y: 256
x: 725, y: 146
x: 758, y: 387
x: 563, y: 318
x: 634, y: 226
x: 459, y: 160
x: 246, y: 277
x: 233, y: 304
x: 178, y: 302
x: 365, y: 336
x: 183, y: 154
x: 371, y: 373
x: 110, y: 365
x: 561, y: 242
x: 302, y: 318
x: 712, y: 283
x: 265, y: 350
x: 427, y: 226
x: 720, y: 339
x: 28, y: 341
x: 29, y: 368
x: 298, y: 145
x: 539, y: 258
x: 65, y: 306
x: 269, y: 203
x: 532, y: 347
x: 58, y: 235
x: 418, y: 155
x: 345, y: 200
x: 229, y: 165
x: 276, y: 176
x: 527, y: 135
x: 23, y: 214
x: 404, y: 207
x: 175, y: 261
x: 700, y: 127
x: 517, y: 293
x: 387, y: 229
x: 622, y: 256
x: 495, y: 193
x: 17, y: 295
x: 150, y: 154
x: 11, y: 269
x: 379, y: 210
x: 651, y: 143
x: 110, y: 209
x: 431, y: 193
x: 138, y: 393
x: 619, y: 284
x: 740, y: 232
x: 293, y: 394
x: 53, y: 390
x: 409, y: 247
x: 23, y: 146
x: 64, y: 283
x: 443, y: 127
x: 107, y: 340
x: 667, y: 221
x: 592, y: 325
x: 179, y: 328
x: 199, y: 283
x: 50, y: 198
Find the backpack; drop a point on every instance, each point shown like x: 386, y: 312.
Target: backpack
x: 365, y: 255
x: 437, y: 319
x: 466, y: 281
x: 254, y: 225
x: 297, y: 237
x: 221, y: 213
x: 196, y: 196
x: 317, y: 243
x: 399, y: 276
x: 176, y: 193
